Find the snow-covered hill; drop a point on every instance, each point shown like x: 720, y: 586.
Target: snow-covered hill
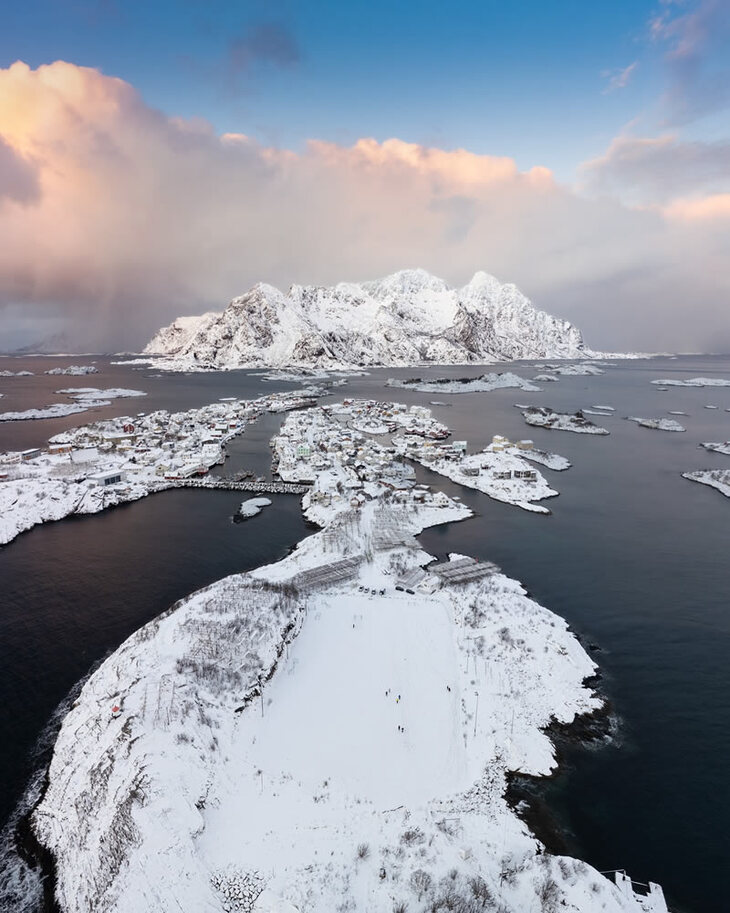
x: 408, y: 318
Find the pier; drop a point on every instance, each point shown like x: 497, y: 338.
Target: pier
x: 230, y: 484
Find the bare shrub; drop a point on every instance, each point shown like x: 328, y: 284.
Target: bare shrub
x: 363, y: 850
x: 421, y: 882
x: 412, y: 836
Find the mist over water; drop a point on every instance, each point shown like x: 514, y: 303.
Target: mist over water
x: 633, y: 556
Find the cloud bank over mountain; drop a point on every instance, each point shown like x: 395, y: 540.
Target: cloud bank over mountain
x: 116, y: 218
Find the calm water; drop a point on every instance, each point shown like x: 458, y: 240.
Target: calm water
x: 633, y: 556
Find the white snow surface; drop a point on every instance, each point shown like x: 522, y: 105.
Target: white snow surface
x: 370, y: 771
x: 408, y: 318
x: 484, y: 384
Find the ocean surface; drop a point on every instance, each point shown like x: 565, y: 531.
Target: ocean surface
x: 636, y: 558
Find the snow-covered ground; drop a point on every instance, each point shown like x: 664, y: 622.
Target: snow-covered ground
x: 310, y: 732
x: 658, y: 424
x: 544, y: 417
x: 483, y: 384
x: 715, y: 478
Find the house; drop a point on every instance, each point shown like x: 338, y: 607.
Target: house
x: 107, y: 479
x: 30, y: 454
x: 503, y: 474
x: 527, y: 475
x: 59, y: 447
x: 525, y: 445
x: 470, y: 470
x: 459, y: 446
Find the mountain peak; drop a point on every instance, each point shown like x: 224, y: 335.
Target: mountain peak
x: 409, y: 317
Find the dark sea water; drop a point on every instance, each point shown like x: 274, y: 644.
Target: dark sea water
x: 636, y: 558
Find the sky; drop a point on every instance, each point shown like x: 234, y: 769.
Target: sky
x: 158, y: 158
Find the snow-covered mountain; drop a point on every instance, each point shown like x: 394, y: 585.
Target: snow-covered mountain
x: 408, y: 318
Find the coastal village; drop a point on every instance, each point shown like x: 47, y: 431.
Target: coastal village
x: 213, y: 725
x: 336, y: 449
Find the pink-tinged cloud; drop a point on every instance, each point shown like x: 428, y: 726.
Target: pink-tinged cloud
x: 115, y: 218
x: 703, y: 209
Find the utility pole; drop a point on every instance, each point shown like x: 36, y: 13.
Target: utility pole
x: 476, y: 714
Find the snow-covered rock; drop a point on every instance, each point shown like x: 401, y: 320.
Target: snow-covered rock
x: 74, y: 370
x: 694, y: 382
x: 484, y: 384
x: 658, y: 424
x: 718, y: 447
x: 544, y: 417
x: 251, y: 507
x: 408, y: 318
x: 715, y: 478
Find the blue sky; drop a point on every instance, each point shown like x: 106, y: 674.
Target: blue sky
x: 526, y: 80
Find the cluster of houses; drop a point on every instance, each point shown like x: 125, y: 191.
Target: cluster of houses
x: 347, y: 467
x: 436, y: 455
x: 149, y: 447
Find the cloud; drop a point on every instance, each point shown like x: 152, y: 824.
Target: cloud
x: 619, y: 79
x: 263, y: 43
x: 657, y: 169
x: 138, y: 217
x: 700, y: 209
x: 18, y: 177
x: 695, y: 46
